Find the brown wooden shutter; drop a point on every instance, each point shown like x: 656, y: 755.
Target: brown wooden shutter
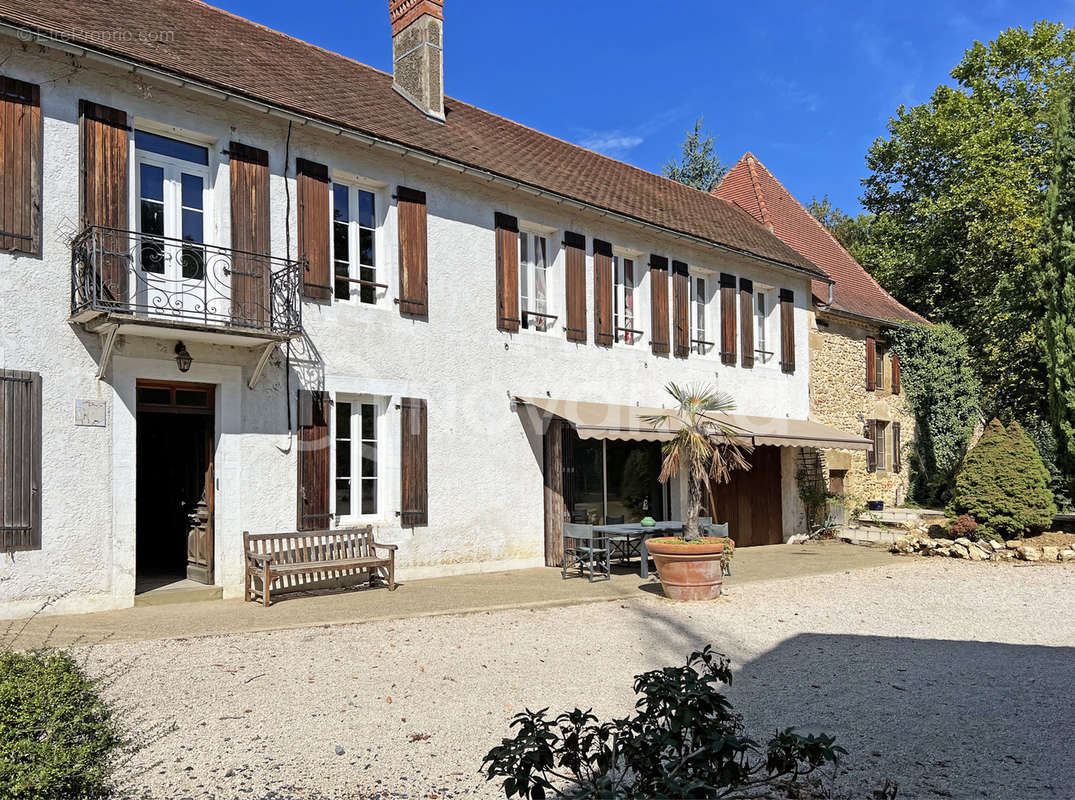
x: 871, y: 364
x: 414, y: 482
x: 250, y: 274
x: 871, y: 454
x: 20, y: 166
x: 681, y: 309
x: 103, y: 196
x: 897, y: 378
x: 746, y: 321
x: 314, y: 228
x: 575, y: 286
x: 658, y: 278
x: 787, y: 330
x: 507, y: 272
x: 602, y: 293
x: 20, y: 460
x: 897, y: 462
x: 727, y: 319
x: 413, y: 252
x: 314, y: 452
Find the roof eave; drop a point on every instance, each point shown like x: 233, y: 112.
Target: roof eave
x: 230, y: 94
x: 890, y: 323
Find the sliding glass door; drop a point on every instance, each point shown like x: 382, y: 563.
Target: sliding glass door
x: 611, y: 481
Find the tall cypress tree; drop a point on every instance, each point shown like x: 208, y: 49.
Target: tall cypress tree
x: 1058, y: 250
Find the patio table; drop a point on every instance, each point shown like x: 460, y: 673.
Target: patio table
x: 634, y: 531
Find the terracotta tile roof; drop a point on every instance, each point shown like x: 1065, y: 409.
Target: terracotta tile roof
x: 231, y: 53
x: 754, y: 188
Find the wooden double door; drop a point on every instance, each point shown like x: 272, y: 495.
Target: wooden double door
x: 175, y: 537
x: 751, y: 503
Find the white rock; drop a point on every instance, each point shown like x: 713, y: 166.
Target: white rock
x: 1050, y: 553
x: 1028, y: 552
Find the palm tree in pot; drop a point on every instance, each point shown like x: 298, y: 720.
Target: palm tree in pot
x: 709, y: 449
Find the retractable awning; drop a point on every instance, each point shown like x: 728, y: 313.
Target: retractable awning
x: 609, y: 421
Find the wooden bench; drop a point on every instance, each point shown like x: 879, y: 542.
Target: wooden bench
x: 312, y: 559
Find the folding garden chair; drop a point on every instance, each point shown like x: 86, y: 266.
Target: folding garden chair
x: 585, y: 549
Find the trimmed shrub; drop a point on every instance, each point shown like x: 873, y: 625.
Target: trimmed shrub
x: 964, y: 525
x: 1003, y: 484
x: 58, y: 738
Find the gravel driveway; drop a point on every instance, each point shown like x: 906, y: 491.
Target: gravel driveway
x: 953, y: 679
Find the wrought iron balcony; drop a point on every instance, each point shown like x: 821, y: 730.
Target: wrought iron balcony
x: 125, y: 277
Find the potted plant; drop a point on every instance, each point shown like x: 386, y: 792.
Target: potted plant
x: 689, y: 566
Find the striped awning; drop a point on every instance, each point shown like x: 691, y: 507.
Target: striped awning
x: 610, y: 421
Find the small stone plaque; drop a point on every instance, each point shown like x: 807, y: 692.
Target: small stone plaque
x: 91, y: 413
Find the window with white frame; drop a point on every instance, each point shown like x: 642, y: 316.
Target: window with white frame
x: 762, y: 307
x: 623, y: 300
x: 880, y: 448
x: 699, y: 312
x: 172, y: 180
x: 354, y: 243
x: 359, y: 454
x: 534, y: 281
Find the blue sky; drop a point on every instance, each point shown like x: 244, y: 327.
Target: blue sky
x: 806, y: 86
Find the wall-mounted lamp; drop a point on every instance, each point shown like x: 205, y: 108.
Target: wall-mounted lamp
x: 182, y: 357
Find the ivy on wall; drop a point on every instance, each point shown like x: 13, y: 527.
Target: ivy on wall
x: 942, y: 389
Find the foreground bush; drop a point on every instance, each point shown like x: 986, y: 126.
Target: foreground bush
x: 1003, y: 484
x: 684, y: 741
x: 58, y: 738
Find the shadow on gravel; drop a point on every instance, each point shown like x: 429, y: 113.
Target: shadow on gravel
x: 942, y: 718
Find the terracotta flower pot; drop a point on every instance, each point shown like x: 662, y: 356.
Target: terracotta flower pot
x: 688, y: 570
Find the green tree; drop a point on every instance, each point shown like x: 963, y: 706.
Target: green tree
x: 1058, y: 270
x: 957, y: 197
x: 942, y: 389
x: 699, y: 165
x: 1003, y: 484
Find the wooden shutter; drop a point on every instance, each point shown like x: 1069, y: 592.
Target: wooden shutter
x: 413, y: 252
x: 250, y: 274
x: 681, y: 309
x: 20, y: 166
x: 507, y: 272
x: 787, y: 330
x: 727, y: 319
x: 658, y: 290
x: 314, y: 452
x: 314, y: 228
x: 103, y: 193
x: 897, y: 378
x: 575, y: 285
x: 897, y: 463
x: 746, y: 321
x: 602, y: 293
x: 871, y: 364
x: 871, y: 454
x: 414, y: 482
x: 20, y: 460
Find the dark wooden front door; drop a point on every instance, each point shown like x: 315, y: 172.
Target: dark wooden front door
x: 175, y: 483
x: 751, y: 502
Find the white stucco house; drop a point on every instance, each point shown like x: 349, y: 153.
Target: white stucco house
x: 253, y: 285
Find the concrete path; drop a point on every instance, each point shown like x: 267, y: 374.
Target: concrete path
x: 533, y: 588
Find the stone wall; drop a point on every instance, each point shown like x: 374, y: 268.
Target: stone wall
x: 838, y: 397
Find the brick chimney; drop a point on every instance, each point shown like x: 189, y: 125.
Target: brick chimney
x: 417, y: 53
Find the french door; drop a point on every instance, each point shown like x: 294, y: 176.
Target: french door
x: 173, y: 201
